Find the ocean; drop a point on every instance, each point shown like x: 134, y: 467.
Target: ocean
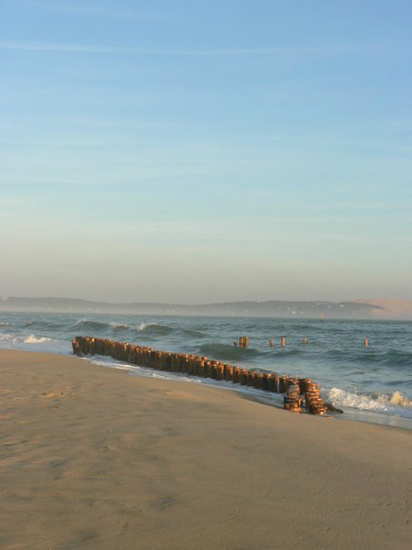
x: 372, y: 384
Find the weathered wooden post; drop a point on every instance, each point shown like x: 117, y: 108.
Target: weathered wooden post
x: 274, y: 383
x: 228, y: 372
x: 265, y: 381
x: 200, y: 369
x: 283, y: 383
x: 76, y: 347
x: 243, y: 377
x: 292, y: 400
x: 251, y: 378
x: 243, y: 342
x: 220, y: 371
x: 313, y: 399
x: 236, y: 375
x: 258, y: 380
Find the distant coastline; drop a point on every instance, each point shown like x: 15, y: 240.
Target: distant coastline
x: 356, y: 309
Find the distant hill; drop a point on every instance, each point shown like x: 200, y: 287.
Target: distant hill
x: 391, y: 309
x: 358, y: 309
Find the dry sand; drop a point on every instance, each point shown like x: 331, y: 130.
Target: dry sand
x: 97, y: 459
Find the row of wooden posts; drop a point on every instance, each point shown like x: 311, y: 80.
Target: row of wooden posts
x: 243, y: 342
x: 194, y: 365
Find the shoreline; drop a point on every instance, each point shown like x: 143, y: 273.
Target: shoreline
x: 351, y: 414
x: 92, y: 458
x: 270, y: 399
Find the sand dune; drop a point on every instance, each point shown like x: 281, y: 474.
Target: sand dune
x: 97, y: 459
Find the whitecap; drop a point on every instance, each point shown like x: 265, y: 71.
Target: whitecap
x: 33, y: 340
x: 145, y: 326
x: 380, y: 403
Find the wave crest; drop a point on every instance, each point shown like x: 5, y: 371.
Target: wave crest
x: 155, y: 329
x: 375, y: 402
x: 12, y: 339
x: 34, y: 340
x: 91, y: 325
x: 227, y: 351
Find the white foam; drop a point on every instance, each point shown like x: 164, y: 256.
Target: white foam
x: 400, y: 400
x: 6, y: 338
x: 144, y: 326
x: 34, y: 343
x: 146, y: 372
x: 381, y: 403
x: 119, y: 325
x: 33, y: 340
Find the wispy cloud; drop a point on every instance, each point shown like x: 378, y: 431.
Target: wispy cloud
x: 94, y: 10
x: 309, y: 51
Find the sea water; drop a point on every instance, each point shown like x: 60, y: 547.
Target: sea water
x: 370, y: 383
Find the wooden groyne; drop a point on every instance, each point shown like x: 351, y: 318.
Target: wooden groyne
x: 299, y: 393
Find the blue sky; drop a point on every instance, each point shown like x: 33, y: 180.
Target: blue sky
x: 206, y: 151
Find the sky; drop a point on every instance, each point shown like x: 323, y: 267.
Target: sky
x: 194, y: 152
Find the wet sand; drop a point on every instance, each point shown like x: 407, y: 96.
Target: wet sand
x: 95, y: 458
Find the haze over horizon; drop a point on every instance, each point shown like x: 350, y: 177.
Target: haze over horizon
x: 185, y: 153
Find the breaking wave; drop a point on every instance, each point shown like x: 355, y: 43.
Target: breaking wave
x: 13, y: 340
x: 33, y: 340
x: 395, y: 403
x: 154, y: 329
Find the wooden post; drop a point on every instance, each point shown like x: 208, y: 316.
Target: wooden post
x: 110, y: 348
x: 92, y: 344
x: 173, y: 364
x: 236, y: 375
x: 243, y: 377
x: 76, y: 347
x: 292, y: 400
x: 201, y: 369
x: 228, y: 372
x: 243, y: 342
x: 220, y: 372
x: 114, y: 352
x: 283, y: 383
x: 208, y: 369
x: 258, y: 380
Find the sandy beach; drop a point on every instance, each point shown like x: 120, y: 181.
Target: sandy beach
x: 95, y: 458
